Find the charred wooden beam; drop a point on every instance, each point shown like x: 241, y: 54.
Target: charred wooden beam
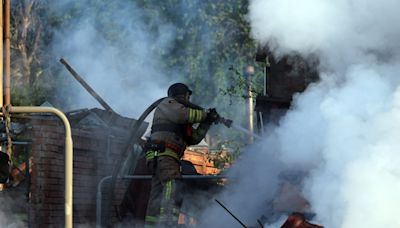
x: 86, y: 86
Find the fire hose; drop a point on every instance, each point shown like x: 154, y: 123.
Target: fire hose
x: 133, y: 139
x: 134, y: 133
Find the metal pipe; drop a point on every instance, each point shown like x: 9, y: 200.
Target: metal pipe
x: 98, y: 200
x: 250, y: 109
x: 139, y: 177
x: 251, y: 118
x: 260, y: 116
x: 68, y: 153
x: 1, y: 59
x: 86, y: 86
x: 22, y: 142
x: 7, y: 60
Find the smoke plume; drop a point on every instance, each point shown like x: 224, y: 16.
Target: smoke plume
x: 344, y: 128
x: 12, y: 210
x: 125, y: 70
x: 115, y: 52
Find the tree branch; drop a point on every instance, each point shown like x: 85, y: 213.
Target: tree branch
x: 35, y: 44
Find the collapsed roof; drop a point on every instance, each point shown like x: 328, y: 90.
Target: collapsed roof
x: 104, y: 120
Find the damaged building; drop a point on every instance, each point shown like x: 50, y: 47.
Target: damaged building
x: 100, y: 138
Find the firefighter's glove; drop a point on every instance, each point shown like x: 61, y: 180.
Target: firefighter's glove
x: 212, y: 116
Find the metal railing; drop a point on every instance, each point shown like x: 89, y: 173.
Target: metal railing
x: 68, y: 152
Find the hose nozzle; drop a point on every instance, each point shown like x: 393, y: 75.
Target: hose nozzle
x: 226, y: 122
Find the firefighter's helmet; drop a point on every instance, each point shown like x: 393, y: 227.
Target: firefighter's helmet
x: 178, y: 89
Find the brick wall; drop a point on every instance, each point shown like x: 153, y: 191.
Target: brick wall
x: 95, y: 153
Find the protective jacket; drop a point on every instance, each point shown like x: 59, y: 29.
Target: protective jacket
x: 173, y: 130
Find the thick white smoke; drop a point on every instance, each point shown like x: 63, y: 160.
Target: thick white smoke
x: 346, y: 126
x: 120, y: 62
x: 343, y: 32
x: 12, y: 211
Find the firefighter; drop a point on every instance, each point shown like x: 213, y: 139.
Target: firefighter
x: 171, y: 132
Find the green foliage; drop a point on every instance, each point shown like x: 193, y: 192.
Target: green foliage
x: 31, y: 31
x: 212, y: 37
x: 19, y: 156
x: 210, y: 49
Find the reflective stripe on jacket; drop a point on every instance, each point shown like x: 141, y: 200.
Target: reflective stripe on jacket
x: 170, y: 111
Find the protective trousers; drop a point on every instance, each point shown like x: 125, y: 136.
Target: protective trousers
x: 165, y: 201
